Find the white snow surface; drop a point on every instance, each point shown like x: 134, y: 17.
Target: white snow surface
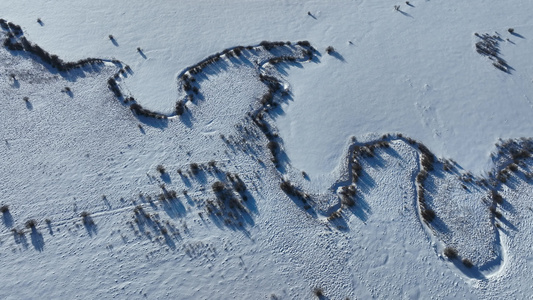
x: 413, y: 71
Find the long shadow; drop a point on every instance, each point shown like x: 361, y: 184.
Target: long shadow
x: 186, y: 119
x: 89, y: 224
x: 340, y: 223
x: 7, y: 218
x: 376, y: 161
x: 507, y: 223
x: 141, y: 53
x: 231, y: 217
x: 114, y: 41
x: 166, y: 178
x: 169, y: 241
x: 518, y: 35
x: 174, y: 208
x: 438, y: 224
x: 152, y: 122
x: 365, y: 183
x: 405, y: 14
x: 186, y: 180
x: 16, y: 83
x: 71, y: 75
x: 29, y: 106
x: 49, y: 226
x: 37, y: 239
x: 20, y: 238
x: 338, y: 56
x: 473, y: 272
x: 361, y: 209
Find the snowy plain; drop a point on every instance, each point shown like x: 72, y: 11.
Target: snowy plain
x: 414, y: 71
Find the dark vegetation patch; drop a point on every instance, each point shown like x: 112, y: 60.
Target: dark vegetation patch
x: 489, y: 46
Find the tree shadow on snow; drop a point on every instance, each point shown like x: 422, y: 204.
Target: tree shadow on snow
x: 37, y: 239
x: 7, y: 218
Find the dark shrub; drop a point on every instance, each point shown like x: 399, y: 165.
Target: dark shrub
x: 450, y: 252
x: 4, y: 209
x: 217, y: 187
x: 273, y: 146
x: 348, y: 201
x: 31, y: 224
x: 318, y: 292
x: 495, y: 212
x: 428, y: 215
x: 467, y: 263
x: 496, y: 197
x: 330, y: 50
x: 195, y: 168
x: 287, y: 187
x: 160, y: 169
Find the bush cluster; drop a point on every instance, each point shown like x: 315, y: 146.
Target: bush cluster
x: 180, y: 108
x: 348, y: 195
x: 51, y: 59
x: 139, y: 110
x: 8, y: 26
x: 271, y: 45
x: 489, y: 46
x: 288, y: 188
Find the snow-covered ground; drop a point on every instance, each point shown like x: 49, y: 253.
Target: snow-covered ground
x: 109, y: 224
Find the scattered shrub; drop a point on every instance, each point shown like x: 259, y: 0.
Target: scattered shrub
x: 4, y: 209
x: 511, y: 30
x: 330, y: 50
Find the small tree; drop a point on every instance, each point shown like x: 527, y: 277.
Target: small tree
x: 330, y: 50
x: 31, y: 224
x: 160, y: 169
x: 318, y: 292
